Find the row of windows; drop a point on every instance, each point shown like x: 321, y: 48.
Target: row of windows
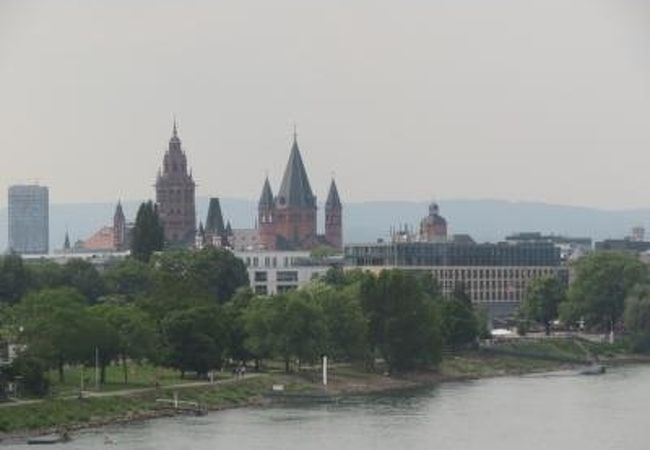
x: 269, y: 261
x: 282, y: 276
x: 262, y: 289
x: 507, y: 273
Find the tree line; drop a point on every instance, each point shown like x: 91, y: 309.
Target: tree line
x: 193, y: 311
x: 609, y: 292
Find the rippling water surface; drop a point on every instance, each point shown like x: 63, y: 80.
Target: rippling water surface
x: 557, y: 411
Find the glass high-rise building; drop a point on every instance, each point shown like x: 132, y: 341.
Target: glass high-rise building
x: 28, y: 219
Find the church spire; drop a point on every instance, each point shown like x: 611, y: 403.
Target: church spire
x: 266, y: 199
x: 295, y: 190
x: 333, y: 199
x: 66, y: 242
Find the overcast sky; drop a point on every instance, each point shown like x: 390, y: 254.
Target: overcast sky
x: 542, y: 100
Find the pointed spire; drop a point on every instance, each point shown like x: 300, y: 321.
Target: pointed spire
x: 214, y: 222
x: 266, y: 199
x: 175, y: 142
x: 295, y: 190
x: 333, y: 199
x: 119, y: 212
x: 228, y: 229
x: 66, y: 241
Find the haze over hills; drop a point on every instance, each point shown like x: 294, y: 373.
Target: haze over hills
x: 485, y: 220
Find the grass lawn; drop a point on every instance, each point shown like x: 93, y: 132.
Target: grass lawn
x: 139, y: 376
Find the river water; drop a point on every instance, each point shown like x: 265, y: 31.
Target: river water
x: 553, y: 411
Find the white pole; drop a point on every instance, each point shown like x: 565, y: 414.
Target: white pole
x: 324, y: 370
x: 97, y: 368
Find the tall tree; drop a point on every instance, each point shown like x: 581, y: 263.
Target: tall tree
x: 542, y: 300
x: 404, y: 321
x: 84, y: 277
x: 148, y: 233
x: 14, y: 278
x: 346, y: 326
x: 603, y: 280
x: 55, y: 326
x: 196, y: 339
x: 134, y: 332
x: 459, y: 321
x: 130, y: 278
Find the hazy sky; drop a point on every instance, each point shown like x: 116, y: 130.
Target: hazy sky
x: 545, y: 100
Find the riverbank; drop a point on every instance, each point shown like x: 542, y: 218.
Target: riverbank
x: 502, y: 359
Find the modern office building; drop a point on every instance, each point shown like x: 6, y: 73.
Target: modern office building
x: 28, y: 219
x: 495, y: 276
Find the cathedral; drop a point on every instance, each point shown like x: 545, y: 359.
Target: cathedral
x: 287, y: 221
x: 175, y: 195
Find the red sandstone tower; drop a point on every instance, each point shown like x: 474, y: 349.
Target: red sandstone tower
x: 288, y: 220
x: 175, y: 195
x: 334, y: 218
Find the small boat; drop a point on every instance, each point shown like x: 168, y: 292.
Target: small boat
x: 49, y: 439
x: 594, y: 369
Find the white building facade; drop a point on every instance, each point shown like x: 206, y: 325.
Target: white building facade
x: 275, y: 272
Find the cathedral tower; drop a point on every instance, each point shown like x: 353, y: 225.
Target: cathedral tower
x: 119, y: 229
x: 295, y: 206
x: 265, y: 213
x: 334, y: 218
x: 175, y: 195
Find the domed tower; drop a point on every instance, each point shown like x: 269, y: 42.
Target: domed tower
x: 334, y: 218
x: 433, y: 227
x: 265, y: 222
x: 119, y: 229
x: 175, y: 195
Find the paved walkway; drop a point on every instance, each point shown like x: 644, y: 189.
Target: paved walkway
x: 124, y: 392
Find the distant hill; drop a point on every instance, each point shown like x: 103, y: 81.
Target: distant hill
x: 485, y: 220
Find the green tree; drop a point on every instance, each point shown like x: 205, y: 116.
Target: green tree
x: 13, y: 278
x: 196, y: 339
x: 84, y: 277
x: 45, y: 275
x: 403, y: 320
x: 603, y: 280
x: 235, y: 312
x: 459, y: 321
x: 129, y: 278
x: 133, y: 333
x: 345, y: 324
x: 210, y: 274
x: 54, y: 326
x: 148, y: 232
x: 259, y: 319
x: 637, y: 318
x: 32, y: 373
x: 299, y: 328
x: 542, y: 301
